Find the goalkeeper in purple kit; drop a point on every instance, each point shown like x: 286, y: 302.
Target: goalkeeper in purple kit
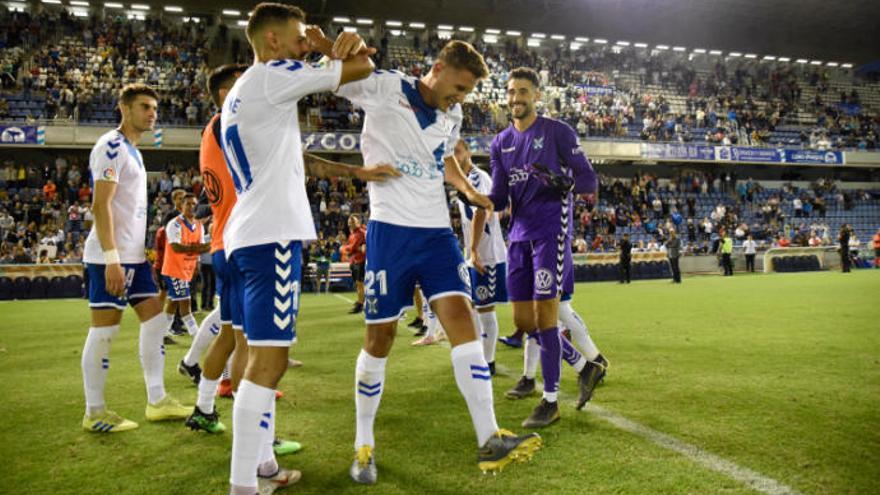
x: 537, y: 164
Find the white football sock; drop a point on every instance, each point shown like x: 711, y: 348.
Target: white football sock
x: 475, y: 384
x: 251, y: 419
x: 268, y: 464
x: 207, y: 392
x: 209, y: 329
x: 489, y: 326
x: 368, y: 387
x: 579, y: 332
x: 531, y: 357
x: 152, y: 353
x: 189, y: 321
x: 95, y: 363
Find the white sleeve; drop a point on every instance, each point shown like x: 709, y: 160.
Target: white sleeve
x: 202, y: 227
x: 287, y: 81
x: 365, y: 93
x: 106, y: 161
x: 455, y: 134
x: 173, y: 232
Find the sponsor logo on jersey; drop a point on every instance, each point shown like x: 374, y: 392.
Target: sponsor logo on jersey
x: 543, y: 281
x: 108, y: 173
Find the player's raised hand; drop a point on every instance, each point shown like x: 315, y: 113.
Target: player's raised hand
x: 318, y: 40
x: 377, y: 173
x: 114, y: 280
x: 348, y: 45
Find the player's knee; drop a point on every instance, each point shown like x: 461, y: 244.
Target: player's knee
x: 379, y: 339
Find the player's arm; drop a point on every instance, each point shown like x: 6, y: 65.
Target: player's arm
x: 477, y: 228
x: 190, y: 248
x: 348, y: 47
x: 324, y: 169
x: 571, y: 153
x: 500, y: 181
x: 102, y: 198
x: 453, y: 176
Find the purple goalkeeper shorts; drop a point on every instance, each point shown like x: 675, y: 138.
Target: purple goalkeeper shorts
x: 539, y: 269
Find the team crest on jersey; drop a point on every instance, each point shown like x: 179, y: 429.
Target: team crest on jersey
x: 464, y: 274
x: 109, y: 173
x: 538, y: 143
x: 371, y: 305
x: 543, y: 281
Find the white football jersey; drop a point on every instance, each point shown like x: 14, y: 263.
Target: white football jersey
x: 491, y: 249
x: 400, y: 129
x: 115, y: 159
x: 263, y: 150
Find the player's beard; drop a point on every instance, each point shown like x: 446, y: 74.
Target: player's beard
x: 524, y: 112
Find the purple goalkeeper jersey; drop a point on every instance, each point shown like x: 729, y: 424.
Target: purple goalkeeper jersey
x: 537, y: 209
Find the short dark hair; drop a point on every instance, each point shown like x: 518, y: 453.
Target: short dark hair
x: 462, y: 55
x: 268, y: 13
x: 528, y: 74
x: 131, y: 91
x: 188, y: 196
x: 223, y: 77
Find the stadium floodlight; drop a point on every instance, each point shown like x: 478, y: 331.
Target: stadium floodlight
x: 112, y: 5
x: 16, y: 7
x: 242, y: 23
x: 661, y: 47
x: 52, y: 2
x: 678, y: 48
x: 699, y: 50
x: 801, y: 60
x: 816, y: 62
x: 784, y: 59
x: 750, y: 55
x: 533, y: 42
x: 622, y: 43
x: 466, y: 29
x: 581, y: 39
x: 396, y: 32
x: 445, y: 27
x: 80, y: 13
x: 575, y: 45
x: 417, y: 25
x: 135, y: 16
x: 600, y: 41
x: 444, y: 35
x: 342, y: 20
x: 140, y: 6
x: 173, y: 8
x: 231, y: 12
x: 640, y: 45
x: 734, y: 54
x: 393, y: 23
x: 493, y: 31
x: 513, y: 33
x: 715, y: 52
x: 192, y: 19
x: 557, y: 37
x: 846, y: 66
x: 79, y: 3
x: 490, y: 39
x: 539, y: 36
x: 769, y: 57
x: 832, y: 64
x: 364, y: 21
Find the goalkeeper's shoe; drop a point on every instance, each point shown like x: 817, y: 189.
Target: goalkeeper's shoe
x: 167, y: 408
x: 504, y: 447
x: 107, y: 422
x: 363, y: 469
x: 205, y: 422
x: 588, y: 378
x: 544, y: 414
x: 281, y: 479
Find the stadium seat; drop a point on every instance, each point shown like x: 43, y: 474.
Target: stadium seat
x: 21, y: 288
x: 39, y: 288
x: 6, y: 286
x: 73, y: 286
x: 56, y: 287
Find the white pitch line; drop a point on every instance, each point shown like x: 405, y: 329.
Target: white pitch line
x: 746, y: 476
x: 337, y: 296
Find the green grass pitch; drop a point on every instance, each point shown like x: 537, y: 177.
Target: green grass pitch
x: 779, y: 374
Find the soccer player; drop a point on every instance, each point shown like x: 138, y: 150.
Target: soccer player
x: 271, y: 216
x: 414, y: 124
x: 357, y: 249
x: 118, y: 270
x: 184, y: 242
x: 533, y: 162
x: 487, y: 261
